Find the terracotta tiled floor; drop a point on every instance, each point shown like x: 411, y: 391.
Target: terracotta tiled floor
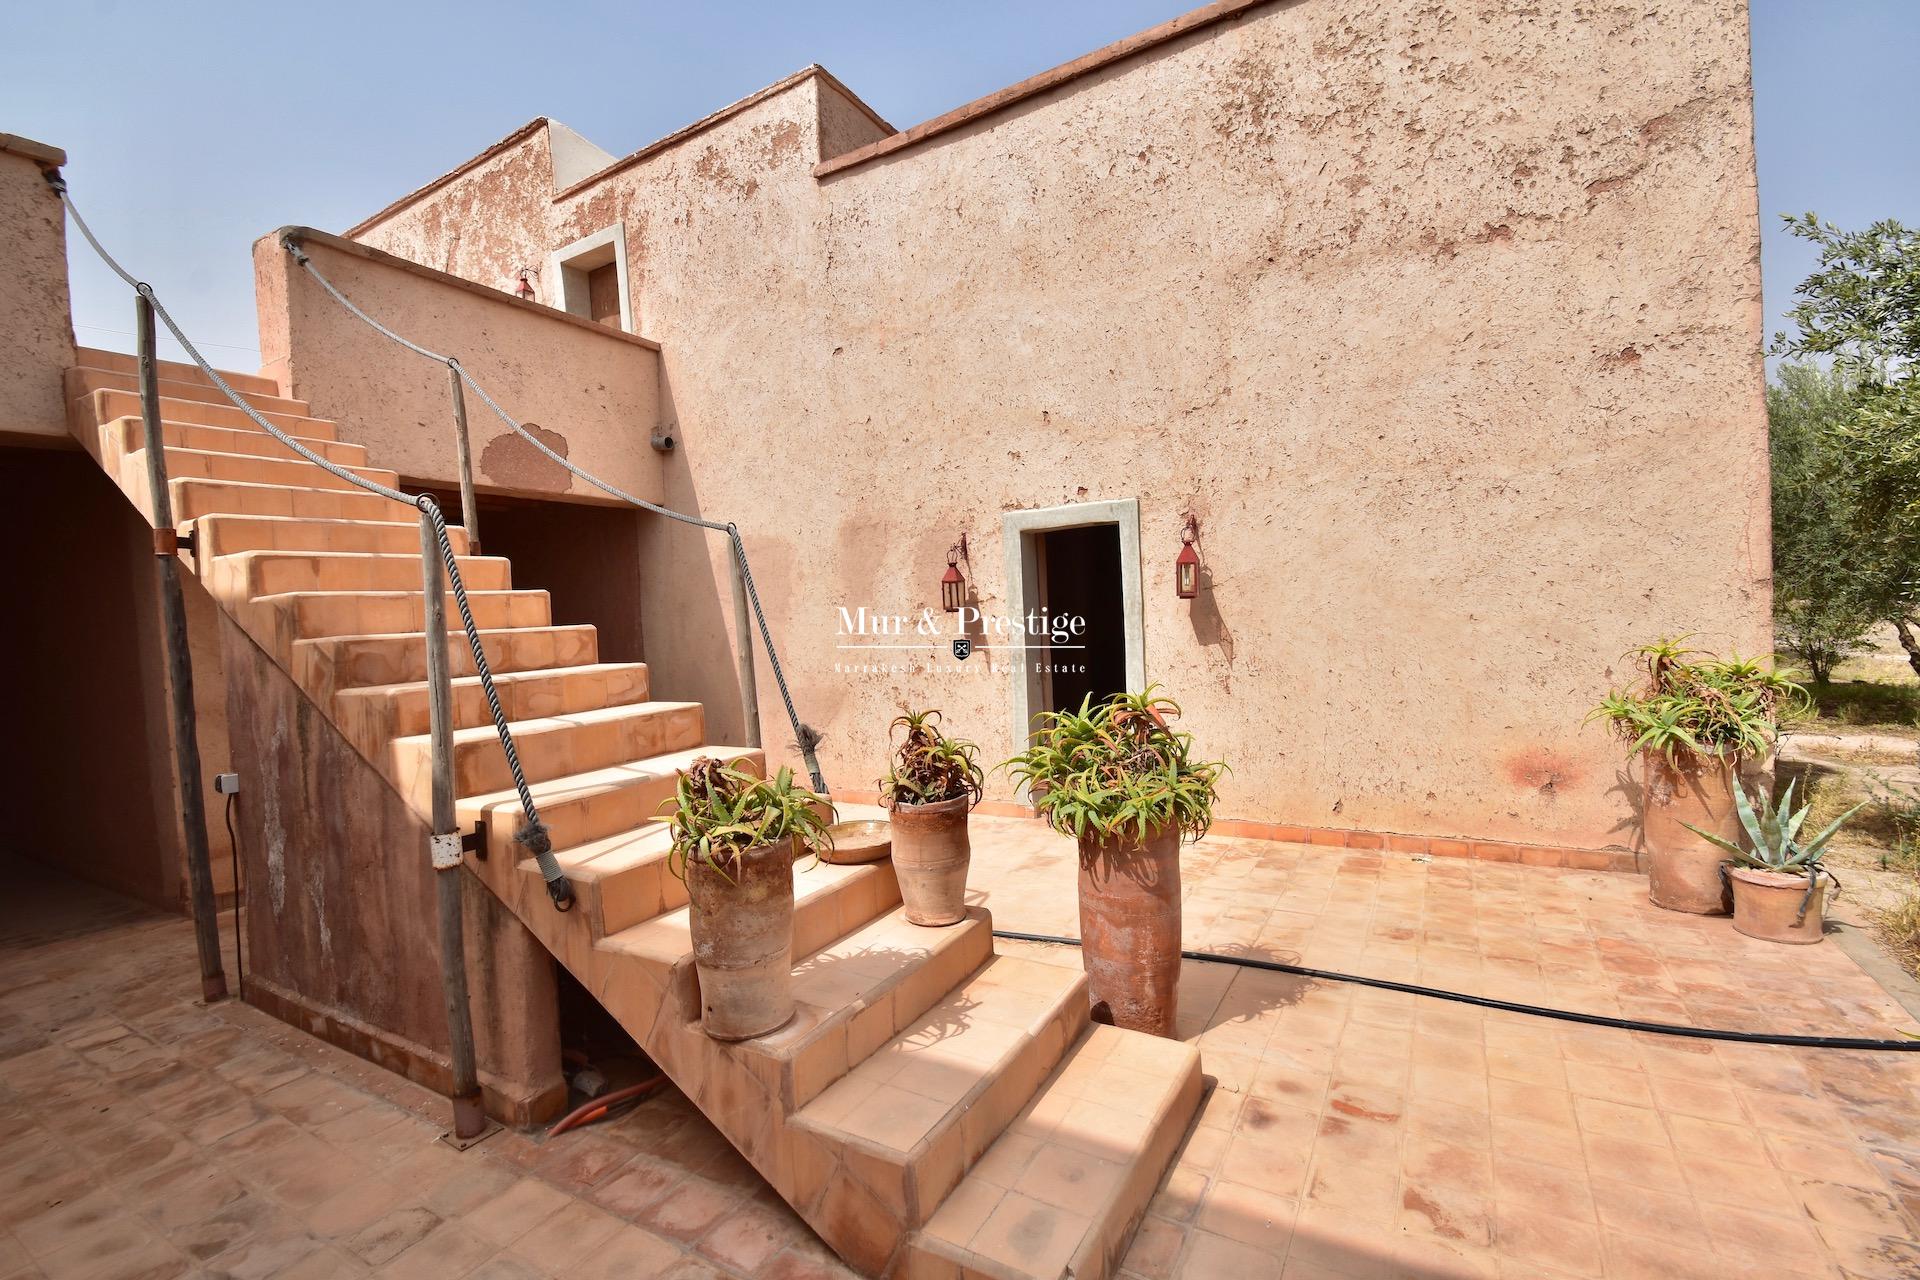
x: 1352, y: 1132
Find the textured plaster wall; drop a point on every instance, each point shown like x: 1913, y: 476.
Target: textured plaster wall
x: 1443, y: 318
x: 341, y: 921
x: 593, y: 393
x: 36, y: 329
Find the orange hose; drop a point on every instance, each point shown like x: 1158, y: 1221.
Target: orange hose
x: 596, y: 1108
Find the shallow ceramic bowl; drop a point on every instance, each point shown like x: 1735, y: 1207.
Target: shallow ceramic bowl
x: 861, y: 840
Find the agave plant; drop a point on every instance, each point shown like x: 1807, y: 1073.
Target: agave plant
x: 1696, y: 702
x: 929, y: 767
x: 1118, y: 768
x: 719, y: 812
x: 1773, y: 829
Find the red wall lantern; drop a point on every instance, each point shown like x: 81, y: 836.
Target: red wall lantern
x: 523, y: 288
x: 1186, y: 569
x: 953, y: 584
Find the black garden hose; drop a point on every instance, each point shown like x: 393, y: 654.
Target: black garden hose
x: 1509, y: 1006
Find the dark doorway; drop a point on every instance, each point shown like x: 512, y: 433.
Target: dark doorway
x: 1080, y: 576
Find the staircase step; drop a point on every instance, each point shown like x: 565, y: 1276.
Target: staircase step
x: 307, y: 615
x: 325, y: 666
x: 911, y: 1119
x: 127, y: 435
x: 550, y: 747
x: 224, y: 534
x: 81, y: 381
x: 599, y: 802
x: 249, y: 574
x: 97, y: 407
x: 382, y: 712
x: 624, y: 879
x: 1062, y: 1190
x: 862, y: 974
x: 294, y: 472
x: 195, y: 498
x: 173, y: 370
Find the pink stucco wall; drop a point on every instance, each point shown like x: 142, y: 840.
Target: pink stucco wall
x: 1445, y: 321
x: 36, y: 329
x: 593, y: 393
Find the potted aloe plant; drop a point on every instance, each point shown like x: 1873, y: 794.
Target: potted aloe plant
x: 1780, y: 888
x: 735, y: 839
x: 1120, y: 780
x: 1697, y: 722
x: 930, y: 787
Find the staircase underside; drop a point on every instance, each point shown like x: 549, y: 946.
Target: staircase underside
x: 934, y: 1110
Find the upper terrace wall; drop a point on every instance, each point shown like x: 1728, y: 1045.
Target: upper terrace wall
x: 36, y: 327
x: 1445, y: 321
x: 594, y: 393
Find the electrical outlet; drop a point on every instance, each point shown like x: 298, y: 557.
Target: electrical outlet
x: 227, y: 784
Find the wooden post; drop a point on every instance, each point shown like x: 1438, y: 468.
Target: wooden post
x: 463, y: 450
x: 469, y: 1118
x: 173, y: 623
x: 743, y: 631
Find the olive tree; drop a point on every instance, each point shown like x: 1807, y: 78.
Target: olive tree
x: 1861, y: 311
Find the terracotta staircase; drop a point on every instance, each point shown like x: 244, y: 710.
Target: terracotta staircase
x: 935, y: 1110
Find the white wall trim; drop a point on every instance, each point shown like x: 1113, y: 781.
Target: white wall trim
x: 567, y: 273
x: 1023, y: 584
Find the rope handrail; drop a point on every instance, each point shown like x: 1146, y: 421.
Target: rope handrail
x: 805, y: 737
x: 532, y: 832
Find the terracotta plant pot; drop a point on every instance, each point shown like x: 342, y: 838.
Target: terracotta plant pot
x: 930, y: 856
x: 743, y: 942
x: 1130, y: 929
x: 1766, y: 905
x: 1683, y: 870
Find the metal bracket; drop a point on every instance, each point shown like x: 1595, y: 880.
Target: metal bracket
x: 166, y: 542
x: 458, y: 1143
x: 475, y: 841
x: 471, y: 1125
x: 445, y: 849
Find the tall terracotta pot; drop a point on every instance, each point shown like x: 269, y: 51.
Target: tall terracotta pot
x: 931, y: 854
x: 1130, y: 928
x: 1766, y: 905
x: 743, y: 942
x: 1683, y: 870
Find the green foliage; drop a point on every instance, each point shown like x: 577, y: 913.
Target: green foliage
x: 1773, y: 832
x: 719, y: 812
x: 1897, y: 806
x: 1118, y: 768
x: 1883, y: 442
x: 1829, y: 587
x: 929, y: 767
x: 1695, y: 702
x: 1861, y: 309
x: 1900, y: 926
x: 1868, y: 704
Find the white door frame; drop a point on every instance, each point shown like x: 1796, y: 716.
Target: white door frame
x: 567, y: 268
x: 1020, y: 542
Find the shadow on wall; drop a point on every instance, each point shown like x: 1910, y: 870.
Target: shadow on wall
x: 586, y: 557
x: 687, y: 604
x: 1209, y: 624
x: 1629, y: 827
x: 87, y: 749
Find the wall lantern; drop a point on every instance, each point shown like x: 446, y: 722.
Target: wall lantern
x: 1186, y: 569
x: 953, y: 584
x: 523, y: 289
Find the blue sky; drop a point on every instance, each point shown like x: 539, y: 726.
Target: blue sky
x: 194, y: 128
